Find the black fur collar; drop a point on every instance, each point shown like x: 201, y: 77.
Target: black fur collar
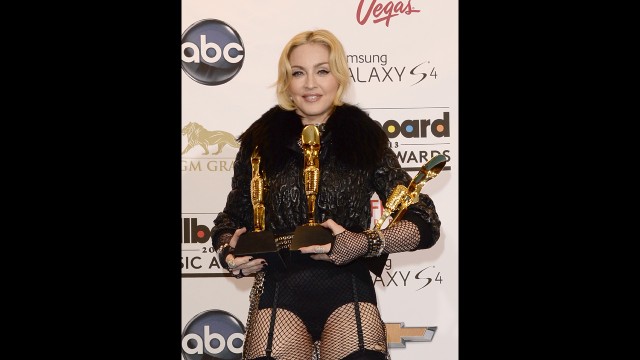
x: 350, y: 136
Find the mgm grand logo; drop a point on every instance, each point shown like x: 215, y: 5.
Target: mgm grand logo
x: 199, y: 137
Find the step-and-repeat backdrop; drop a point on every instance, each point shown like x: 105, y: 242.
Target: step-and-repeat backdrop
x: 403, y: 58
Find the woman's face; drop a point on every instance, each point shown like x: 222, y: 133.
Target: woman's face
x: 313, y: 87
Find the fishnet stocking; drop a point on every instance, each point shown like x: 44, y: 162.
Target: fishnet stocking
x: 340, y: 335
x: 348, y: 246
x: 291, y: 340
x: 318, y: 307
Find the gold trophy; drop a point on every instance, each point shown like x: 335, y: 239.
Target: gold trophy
x: 259, y: 243
x: 311, y: 233
x: 401, y: 197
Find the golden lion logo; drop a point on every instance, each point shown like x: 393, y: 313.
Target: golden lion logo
x: 198, y: 135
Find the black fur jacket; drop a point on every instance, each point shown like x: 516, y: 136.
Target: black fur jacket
x: 355, y: 162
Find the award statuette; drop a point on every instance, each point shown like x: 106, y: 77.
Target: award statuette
x: 259, y: 243
x: 401, y: 197
x: 311, y: 233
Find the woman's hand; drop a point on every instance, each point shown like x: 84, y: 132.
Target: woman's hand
x: 320, y: 252
x: 242, y: 266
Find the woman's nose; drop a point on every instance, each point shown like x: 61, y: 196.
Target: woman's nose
x: 310, y: 82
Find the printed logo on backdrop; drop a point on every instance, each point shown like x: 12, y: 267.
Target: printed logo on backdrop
x: 398, y: 334
x: 382, y: 11
x: 213, y: 334
x: 204, y: 142
x: 199, y: 258
x: 198, y: 136
x: 372, y: 69
x: 415, y: 134
x: 212, y: 52
x: 416, y: 279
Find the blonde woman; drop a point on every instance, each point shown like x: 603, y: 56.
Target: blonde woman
x: 323, y: 306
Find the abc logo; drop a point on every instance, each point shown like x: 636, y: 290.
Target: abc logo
x: 213, y: 334
x: 212, y: 52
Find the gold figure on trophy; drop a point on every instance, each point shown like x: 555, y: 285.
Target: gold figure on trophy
x: 311, y: 149
x: 259, y: 243
x: 311, y: 233
x: 401, y: 197
x: 257, y: 192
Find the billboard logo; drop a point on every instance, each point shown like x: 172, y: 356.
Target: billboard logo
x: 417, y: 128
x: 213, y: 334
x: 212, y: 52
x: 194, y: 233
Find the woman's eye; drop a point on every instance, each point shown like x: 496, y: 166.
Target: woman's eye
x: 296, y: 73
x: 323, y: 71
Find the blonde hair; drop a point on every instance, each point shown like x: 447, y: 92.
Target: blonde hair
x: 337, y: 64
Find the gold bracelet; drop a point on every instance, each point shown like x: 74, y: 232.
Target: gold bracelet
x: 382, y: 242
x: 224, y: 250
x: 222, y: 247
x: 375, y: 242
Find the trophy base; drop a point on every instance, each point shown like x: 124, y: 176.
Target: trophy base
x: 306, y: 235
x: 260, y: 245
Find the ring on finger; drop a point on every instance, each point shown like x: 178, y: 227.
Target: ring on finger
x: 319, y: 250
x: 239, y: 275
x: 232, y: 263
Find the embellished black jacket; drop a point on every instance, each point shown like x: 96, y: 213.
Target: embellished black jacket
x: 355, y: 162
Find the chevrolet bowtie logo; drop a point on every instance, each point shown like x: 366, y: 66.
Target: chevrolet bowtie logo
x: 397, y: 334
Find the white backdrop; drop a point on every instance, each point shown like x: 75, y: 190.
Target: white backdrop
x: 417, y: 290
